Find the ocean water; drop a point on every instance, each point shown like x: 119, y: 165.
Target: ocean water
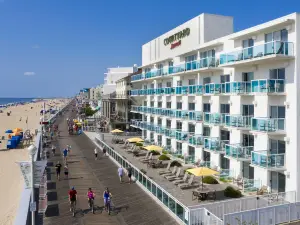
x: 13, y: 100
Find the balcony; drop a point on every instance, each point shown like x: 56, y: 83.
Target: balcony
x: 182, y: 135
x: 238, y: 152
x: 170, y: 132
x: 267, y: 160
x: 137, y: 77
x: 196, y: 140
x: 215, y: 144
x: 213, y: 89
x: 204, y: 63
x: 238, y: 121
x: 267, y: 86
x: 195, y: 116
x: 176, y: 69
x: 268, y: 125
x: 256, y: 54
x: 215, y: 118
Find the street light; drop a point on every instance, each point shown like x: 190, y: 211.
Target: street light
x: 32, y: 150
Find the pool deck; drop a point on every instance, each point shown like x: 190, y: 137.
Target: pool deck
x: 131, y: 205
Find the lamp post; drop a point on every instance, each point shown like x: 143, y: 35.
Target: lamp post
x: 32, y: 150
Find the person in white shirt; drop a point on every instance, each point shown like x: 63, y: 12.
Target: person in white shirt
x: 120, y: 173
x: 96, y: 153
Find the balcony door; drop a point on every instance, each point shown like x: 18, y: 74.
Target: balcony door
x: 247, y: 170
x: 277, y: 182
x: 277, y: 147
x: 278, y: 112
x: 248, y: 48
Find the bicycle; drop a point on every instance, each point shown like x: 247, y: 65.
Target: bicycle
x: 73, y: 205
x: 91, y: 204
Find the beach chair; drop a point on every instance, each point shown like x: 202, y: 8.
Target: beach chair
x: 167, y: 170
x: 263, y: 190
x: 146, y: 157
x: 173, y: 172
x: 181, y: 180
x: 171, y: 178
x: 149, y: 159
x: 190, y: 184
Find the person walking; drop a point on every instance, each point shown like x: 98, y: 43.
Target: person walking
x: 66, y: 170
x: 65, y: 153
x: 58, y: 168
x: 120, y: 173
x: 104, y: 151
x: 96, y: 153
x: 129, y: 173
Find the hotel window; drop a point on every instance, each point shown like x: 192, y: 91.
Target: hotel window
x: 169, y: 105
x: 248, y: 110
x: 225, y: 108
x: 159, y: 104
x: 281, y: 35
x: 151, y: 119
x: 277, y: 73
x: 179, y: 105
x: 168, y: 124
x: 159, y: 121
x: 224, y: 78
x: 152, y: 86
x: 247, y: 76
x: 277, y: 146
x: 248, y: 140
x: 179, y: 147
x: 206, y: 131
x: 191, y: 58
x: 169, y: 84
x: 168, y: 142
x: 159, y: 140
x: 191, y: 106
x: 145, y: 86
x: 151, y: 136
x: 191, y: 128
x: 248, y: 43
x: 152, y: 104
x: 171, y: 63
x: 210, y: 53
x: 206, y: 80
x: 178, y: 125
x: 206, y: 107
x: 179, y: 83
x: 159, y: 85
x: 192, y: 82
x: 277, y: 112
x: 147, y: 70
x: 225, y: 135
x: 145, y: 103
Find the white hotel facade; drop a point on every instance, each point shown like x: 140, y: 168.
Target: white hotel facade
x: 229, y: 100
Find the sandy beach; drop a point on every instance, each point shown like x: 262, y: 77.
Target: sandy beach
x: 12, y: 182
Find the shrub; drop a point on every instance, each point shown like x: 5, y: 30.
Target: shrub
x: 155, y: 152
x: 225, y: 180
x: 180, y: 156
x: 164, y: 157
x: 232, y: 193
x: 209, y: 180
x: 139, y: 144
x: 175, y: 163
x: 165, y: 152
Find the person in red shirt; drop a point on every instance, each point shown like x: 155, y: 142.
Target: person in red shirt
x: 72, y: 197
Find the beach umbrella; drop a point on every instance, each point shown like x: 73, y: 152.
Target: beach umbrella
x: 8, y: 131
x: 153, y: 148
x: 117, y: 131
x: 135, y: 140
x: 202, y: 172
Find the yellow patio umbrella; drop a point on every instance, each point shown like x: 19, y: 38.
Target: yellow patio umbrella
x: 135, y: 139
x: 202, y: 172
x: 116, y: 131
x: 153, y: 148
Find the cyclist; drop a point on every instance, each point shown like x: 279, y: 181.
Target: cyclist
x: 72, y: 198
x: 106, y: 196
x: 91, y: 196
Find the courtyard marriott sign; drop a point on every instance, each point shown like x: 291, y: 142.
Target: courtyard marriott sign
x: 177, y: 37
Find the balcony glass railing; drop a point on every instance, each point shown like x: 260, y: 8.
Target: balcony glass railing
x: 205, y: 164
x: 195, y: 116
x: 238, y: 87
x: 170, y: 132
x: 238, y: 151
x: 182, y: 135
x: 202, y: 63
x: 268, y: 160
x: 238, y: 121
x: 215, y: 144
x: 266, y: 49
x: 169, y: 90
x: 268, y: 124
x: 215, y: 88
x: 267, y: 86
x: 215, y: 118
x: 176, y: 69
x: 140, y: 76
x: 197, y: 140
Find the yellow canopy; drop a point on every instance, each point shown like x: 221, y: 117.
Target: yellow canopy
x: 17, y: 130
x: 202, y: 171
x: 116, y: 131
x: 153, y: 148
x: 135, y: 139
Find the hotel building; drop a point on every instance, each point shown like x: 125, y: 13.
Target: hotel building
x: 227, y: 100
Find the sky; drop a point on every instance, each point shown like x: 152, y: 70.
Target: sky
x: 53, y: 48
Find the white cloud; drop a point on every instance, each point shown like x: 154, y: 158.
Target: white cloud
x: 34, y: 46
x: 29, y: 73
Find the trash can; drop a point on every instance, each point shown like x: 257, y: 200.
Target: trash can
x: 11, y: 144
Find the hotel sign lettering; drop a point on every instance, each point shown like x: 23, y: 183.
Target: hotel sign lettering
x: 175, y: 39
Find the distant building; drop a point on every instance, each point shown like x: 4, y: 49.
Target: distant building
x: 95, y: 92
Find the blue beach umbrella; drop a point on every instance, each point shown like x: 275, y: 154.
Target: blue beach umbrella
x: 9, y: 132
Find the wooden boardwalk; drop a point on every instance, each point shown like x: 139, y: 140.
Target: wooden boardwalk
x: 131, y: 205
